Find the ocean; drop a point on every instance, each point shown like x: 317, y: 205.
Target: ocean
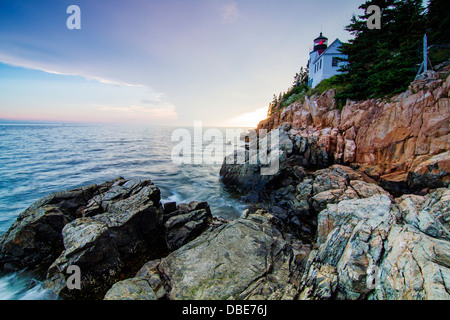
x: 36, y: 160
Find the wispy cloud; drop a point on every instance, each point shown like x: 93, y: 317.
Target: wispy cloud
x: 17, y: 62
x: 166, y: 112
x: 230, y: 13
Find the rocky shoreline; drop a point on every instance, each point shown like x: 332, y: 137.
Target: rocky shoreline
x: 402, y: 141
x: 359, y: 209
x: 109, y: 231
x: 130, y: 247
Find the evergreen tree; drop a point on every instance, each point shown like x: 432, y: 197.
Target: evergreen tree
x: 272, y: 106
x: 383, y: 61
x: 301, y: 77
x: 438, y: 17
x: 399, y: 55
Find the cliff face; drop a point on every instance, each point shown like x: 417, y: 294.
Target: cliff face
x: 403, y: 141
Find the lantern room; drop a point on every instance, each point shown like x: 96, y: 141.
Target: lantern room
x: 320, y: 44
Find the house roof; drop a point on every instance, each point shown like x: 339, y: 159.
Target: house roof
x: 332, y: 45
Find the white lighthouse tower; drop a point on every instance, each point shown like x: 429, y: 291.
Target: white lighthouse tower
x: 324, y: 60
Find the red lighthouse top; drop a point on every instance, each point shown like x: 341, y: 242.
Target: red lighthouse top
x: 320, y: 44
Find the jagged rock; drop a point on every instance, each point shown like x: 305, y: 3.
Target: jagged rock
x: 34, y: 240
x: 109, y: 245
x: 384, y: 136
x: 429, y: 214
x: 241, y: 259
x: 294, y: 152
x: 405, y: 242
x: 296, y: 197
x: 106, y: 230
x: 185, y: 224
x: 416, y: 267
x: 432, y: 173
x: 131, y: 289
x: 145, y: 285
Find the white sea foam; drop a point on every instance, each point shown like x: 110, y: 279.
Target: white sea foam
x: 19, y: 286
x: 38, y: 160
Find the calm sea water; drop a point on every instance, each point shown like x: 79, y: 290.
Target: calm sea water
x: 36, y: 160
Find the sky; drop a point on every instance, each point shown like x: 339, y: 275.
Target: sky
x: 157, y: 62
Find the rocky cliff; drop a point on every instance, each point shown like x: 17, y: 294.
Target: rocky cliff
x: 402, y: 141
x: 324, y: 226
x: 364, y: 190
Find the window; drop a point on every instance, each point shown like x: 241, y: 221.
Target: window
x: 335, y: 62
x: 320, y: 65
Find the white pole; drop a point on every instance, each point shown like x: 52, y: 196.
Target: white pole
x: 425, y: 53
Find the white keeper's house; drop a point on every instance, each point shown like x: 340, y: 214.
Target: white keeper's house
x: 323, y: 60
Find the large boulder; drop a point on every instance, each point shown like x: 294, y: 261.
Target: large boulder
x: 145, y: 285
x: 131, y: 289
x: 108, y: 231
x: 34, y: 240
x: 114, y: 245
x: 106, y: 248
x: 242, y: 259
x: 377, y: 248
x: 293, y: 153
x: 433, y: 172
x: 185, y: 222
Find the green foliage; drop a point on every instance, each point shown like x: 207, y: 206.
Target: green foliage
x: 381, y: 62
x: 384, y: 61
x: 299, y: 93
x: 327, y: 84
x: 439, y: 54
x: 295, y: 93
x: 439, y: 21
x: 291, y: 99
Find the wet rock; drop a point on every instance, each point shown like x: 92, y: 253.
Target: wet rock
x: 131, y: 289
x: 110, y: 245
x: 405, y: 242
x: 240, y: 259
x: 185, y: 224
x: 108, y: 231
x: 34, y: 240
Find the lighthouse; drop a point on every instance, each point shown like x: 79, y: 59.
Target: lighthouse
x: 320, y: 44
x: 324, y: 60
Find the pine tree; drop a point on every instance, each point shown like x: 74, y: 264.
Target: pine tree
x: 439, y: 21
x: 362, y: 50
x: 399, y: 55
x: 301, y: 77
x: 272, y: 106
x: 382, y: 61
x: 438, y: 31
